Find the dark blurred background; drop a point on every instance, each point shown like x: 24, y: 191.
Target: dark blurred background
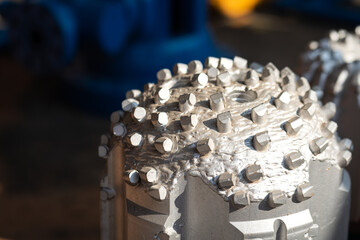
x: 65, y: 65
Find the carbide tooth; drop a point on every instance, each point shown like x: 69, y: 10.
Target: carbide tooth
x: 105, y: 139
x: 253, y: 173
x: 212, y: 73
x: 148, y: 174
x: 158, y: 192
x: 310, y: 97
x: 211, y: 62
x: 200, y: 80
x: 294, y: 160
x: 288, y: 83
x: 318, y: 145
x: 276, y: 198
x: 103, y: 151
x: 262, y: 141
x: 334, y: 36
x: 357, y: 30
x: 128, y: 104
x: 159, y: 119
x: 205, y: 146
x: 329, y: 129
x: 307, y: 111
x: 313, y: 45
x: 225, y: 63
x: 163, y: 75
x: 286, y: 71
x: 135, y: 139
x: 164, y: 145
x: 257, y: 67
x: 252, y: 78
x: 274, y: 69
x: 148, y: 86
x: 344, y: 158
x: 116, y: 116
x: 226, y: 180
x: 282, y: 102
x: 240, y: 62
x: 293, y: 126
x: 132, y: 176
x: 217, y: 102
x: 134, y: 93
x: 224, y: 122
x: 241, y: 199
x: 259, y: 114
x: 139, y: 114
x: 119, y: 130
x: 329, y: 109
x: 304, y: 191
x: 224, y: 79
x: 268, y: 75
x: 346, y: 144
x: 313, y: 231
x: 187, y: 102
x: 162, y: 95
x: 189, y: 122
x: 302, y: 86
x: 107, y: 193
x: 180, y: 69
x: 195, y: 67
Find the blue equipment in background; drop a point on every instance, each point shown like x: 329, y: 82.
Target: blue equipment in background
x: 102, y: 47
x: 347, y: 10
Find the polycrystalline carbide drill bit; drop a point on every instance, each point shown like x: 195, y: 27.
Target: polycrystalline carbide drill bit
x: 232, y: 157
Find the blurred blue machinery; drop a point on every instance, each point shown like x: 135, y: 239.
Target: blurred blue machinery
x: 102, y: 47
x: 346, y: 10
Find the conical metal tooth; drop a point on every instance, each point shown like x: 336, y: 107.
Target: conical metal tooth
x: 334, y: 36
x: 217, y: 102
x: 225, y: 63
x: 241, y: 199
x: 289, y: 84
x: 134, y: 93
x: 148, y: 174
x: 105, y: 139
x: 135, y: 139
x: 313, y: 45
x: 200, y: 80
x: 128, y: 104
x: 148, y: 86
x: 276, y: 198
x: 253, y: 173
x: 262, y: 141
x: 205, y: 146
x: 211, y: 62
x: 304, y: 192
x: 282, y: 102
x: 329, y: 109
x: 189, y: 122
x: 307, y: 111
x: 268, y: 75
x: 163, y: 75
x: 195, y: 67
x: 164, y: 145
x: 252, y: 78
x: 162, y: 95
x: 223, y: 79
x: 158, y: 192
x: 159, y: 119
x: 212, y: 73
x: 139, y: 114
x: 329, y: 129
x: 226, y: 180
x: 119, y: 130
x: 302, y: 86
x: 318, y: 145
x: 294, y: 160
x: 259, y: 114
x: 103, y: 151
x: 117, y: 116
x: 274, y: 69
x: 240, y: 62
x: 310, y: 97
x: 344, y: 158
x: 293, y: 126
x: 224, y: 122
x: 187, y: 102
x: 286, y: 71
x: 132, y: 176
x: 180, y: 69
x: 346, y: 144
x: 357, y: 30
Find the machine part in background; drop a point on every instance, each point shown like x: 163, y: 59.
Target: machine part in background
x: 235, y: 8
x: 228, y: 154
x: 332, y: 66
